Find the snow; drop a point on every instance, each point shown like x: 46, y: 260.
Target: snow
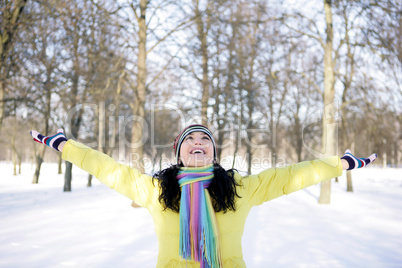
x: 42, y: 226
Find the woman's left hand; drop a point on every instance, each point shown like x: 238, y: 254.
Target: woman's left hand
x: 55, y: 141
x: 349, y: 161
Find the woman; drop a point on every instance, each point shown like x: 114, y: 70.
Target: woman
x: 199, y: 209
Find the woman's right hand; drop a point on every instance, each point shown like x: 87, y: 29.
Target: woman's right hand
x: 349, y: 161
x: 56, y: 141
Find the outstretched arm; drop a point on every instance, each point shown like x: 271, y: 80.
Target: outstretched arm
x: 124, y: 179
x: 275, y: 182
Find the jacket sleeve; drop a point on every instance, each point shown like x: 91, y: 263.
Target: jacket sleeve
x: 124, y: 179
x: 275, y: 182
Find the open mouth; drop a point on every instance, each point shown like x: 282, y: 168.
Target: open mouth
x: 198, y: 151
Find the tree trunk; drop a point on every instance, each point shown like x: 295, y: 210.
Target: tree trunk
x: 39, y: 161
x: 248, y: 143
x: 33, y: 156
x: 329, y: 147
x: 40, y: 156
x: 76, y: 119
x: 2, y: 97
x: 14, y: 163
x: 69, y: 166
x: 11, y: 12
x: 139, y: 109
x: 115, y: 126
x: 100, y: 132
x: 89, y: 184
x: 273, y: 141
x: 101, y: 127
x: 235, y: 150
x: 384, y: 154
x: 237, y: 137
x: 299, y: 134
x: 249, y: 158
x: 272, y: 144
x: 137, y: 150
x: 59, y: 165
x: 19, y: 163
x: 68, y: 177
x: 349, y: 187
x: 202, y: 36
x: 349, y: 181
x: 14, y: 155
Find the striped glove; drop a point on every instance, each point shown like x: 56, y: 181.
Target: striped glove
x: 355, y: 162
x: 51, y: 141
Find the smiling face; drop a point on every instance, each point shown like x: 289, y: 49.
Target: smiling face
x: 197, y: 150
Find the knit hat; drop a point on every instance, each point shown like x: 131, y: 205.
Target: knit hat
x: 185, y: 132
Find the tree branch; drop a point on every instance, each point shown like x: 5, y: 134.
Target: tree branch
x: 168, y: 34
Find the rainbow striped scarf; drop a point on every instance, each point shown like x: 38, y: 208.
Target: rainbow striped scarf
x: 199, y: 234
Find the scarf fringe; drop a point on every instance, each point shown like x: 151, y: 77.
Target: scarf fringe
x: 199, y: 233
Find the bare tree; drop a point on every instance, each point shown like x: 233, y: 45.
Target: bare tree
x: 146, y: 40
x: 275, y: 83
x: 105, y: 70
x: 11, y: 12
x: 203, y: 27
x: 41, y: 66
x: 74, y: 21
x: 329, y: 145
x: 347, y: 76
x: 302, y: 98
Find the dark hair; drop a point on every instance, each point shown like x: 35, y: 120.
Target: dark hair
x: 222, y: 188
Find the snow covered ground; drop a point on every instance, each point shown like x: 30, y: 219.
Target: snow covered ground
x: 41, y: 226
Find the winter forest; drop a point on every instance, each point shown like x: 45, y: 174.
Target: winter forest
x: 282, y: 81
x: 277, y: 82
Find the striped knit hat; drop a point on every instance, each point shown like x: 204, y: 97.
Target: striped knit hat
x: 190, y: 129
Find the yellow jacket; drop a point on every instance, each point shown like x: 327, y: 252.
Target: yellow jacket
x: 255, y: 190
